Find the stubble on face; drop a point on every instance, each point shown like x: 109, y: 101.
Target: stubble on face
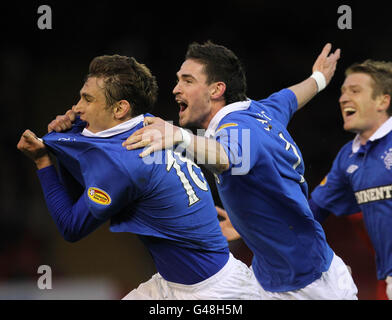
x: 358, y: 106
x: 192, y: 95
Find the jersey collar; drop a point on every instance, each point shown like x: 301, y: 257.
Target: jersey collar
x: 120, y: 128
x: 381, y: 132
x: 236, y: 106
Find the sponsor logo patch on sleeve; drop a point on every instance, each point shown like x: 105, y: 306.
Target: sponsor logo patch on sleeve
x: 99, y: 196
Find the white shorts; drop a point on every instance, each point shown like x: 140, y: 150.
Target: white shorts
x: 234, y: 281
x: 388, y: 280
x: 334, y: 284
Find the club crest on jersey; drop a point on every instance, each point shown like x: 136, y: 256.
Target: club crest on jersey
x: 352, y: 168
x: 99, y: 196
x: 387, y: 157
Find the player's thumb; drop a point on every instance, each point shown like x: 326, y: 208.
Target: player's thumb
x: 149, y: 120
x: 28, y: 135
x: 221, y: 212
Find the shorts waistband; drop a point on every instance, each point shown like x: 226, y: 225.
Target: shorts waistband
x: 207, y: 282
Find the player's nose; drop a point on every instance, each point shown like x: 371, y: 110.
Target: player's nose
x: 343, y: 98
x: 177, y: 89
x: 77, y: 107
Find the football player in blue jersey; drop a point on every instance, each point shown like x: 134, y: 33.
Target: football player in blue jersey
x: 167, y: 203
x: 258, y: 167
x: 361, y: 175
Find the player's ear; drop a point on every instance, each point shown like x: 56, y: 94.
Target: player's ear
x: 122, y: 109
x: 384, y: 102
x: 217, y: 89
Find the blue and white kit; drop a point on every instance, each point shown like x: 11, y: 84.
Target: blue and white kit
x: 270, y: 208
x: 167, y: 202
x: 361, y: 180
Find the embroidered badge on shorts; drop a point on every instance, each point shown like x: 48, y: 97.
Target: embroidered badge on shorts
x: 387, y: 157
x: 99, y: 196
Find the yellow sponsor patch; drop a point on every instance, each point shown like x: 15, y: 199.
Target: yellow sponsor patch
x: 226, y: 125
x: 324, y: 181
x: 99, y: 196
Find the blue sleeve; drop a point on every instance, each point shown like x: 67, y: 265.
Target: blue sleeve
x: 73, y: 219
x: 236, y: 141
x: 334, y: 193
x: 319, y: 213
x: 281, y: 105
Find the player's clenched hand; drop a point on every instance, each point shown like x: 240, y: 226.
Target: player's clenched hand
x: 156, y: 134
x: 227, y: 228
x: 34, y: 148
x: 326, y: 62
x: 63, y: 122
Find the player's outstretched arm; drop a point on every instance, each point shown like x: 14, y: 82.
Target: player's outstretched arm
x: 159, y: 134
x: 227, y: 228
x: 323, y: 71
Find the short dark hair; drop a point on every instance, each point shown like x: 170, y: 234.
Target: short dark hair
x: 221, y: 64
x: 380, y: 72
x: 125, y: 79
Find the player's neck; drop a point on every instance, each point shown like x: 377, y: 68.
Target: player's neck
x: 365, y: 135
x: 215, y: 107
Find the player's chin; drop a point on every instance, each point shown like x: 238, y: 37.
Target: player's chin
x: 348, y: 126
x: 182, y: 120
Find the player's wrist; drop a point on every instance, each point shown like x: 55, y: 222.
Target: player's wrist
x: 43, y: 161
x: 320, y: 80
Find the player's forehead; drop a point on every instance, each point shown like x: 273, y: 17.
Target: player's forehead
x: 192, y: 68
x: 361, y: 80
x: 93, y: 86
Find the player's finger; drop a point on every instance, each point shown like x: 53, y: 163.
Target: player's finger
x: 54, y: 126
x: 148, y: 120
x: 147, y: 151
x: 28, y: 135
x: 30, y: 138
x: 221, y: 212
x: 141, y: 144
x: 333, y: 57
x: 71, y: 115
x: 65, y: 124
x: 337, y: 54
x: 134, y: 138
x: 50, y: 127
x: 326, y: 50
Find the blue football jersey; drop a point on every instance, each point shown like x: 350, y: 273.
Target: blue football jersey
x: 265, y: 193
x: 164, y: 195
x: 361, y: 180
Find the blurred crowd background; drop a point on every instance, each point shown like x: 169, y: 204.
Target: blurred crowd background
x: 42, y: 72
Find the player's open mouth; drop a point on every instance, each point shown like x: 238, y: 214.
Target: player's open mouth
x: 349, y: 111
x: 183, y: 105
